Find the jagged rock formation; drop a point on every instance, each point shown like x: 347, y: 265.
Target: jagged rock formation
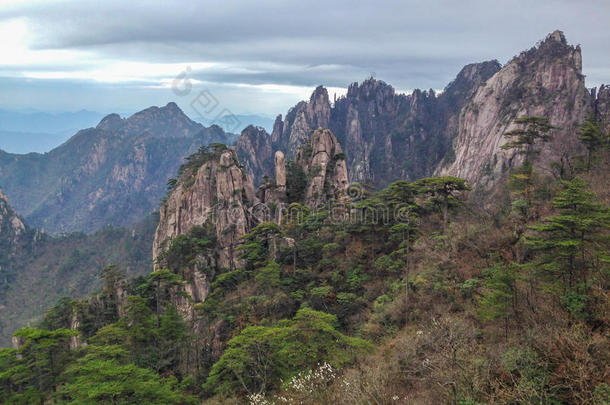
x: 11, y: 226
x: 545, y: 81
x: 214, y: 190
x: 289, y: 134
x: 385, y: 136
x: 218, y: 191
x: 324, y: 163
x: 12, y: 232
x: 388, y: 136
x: 601, y: 106
x: 255, y: 153
x: 113, y: 174
x: 279, y: 163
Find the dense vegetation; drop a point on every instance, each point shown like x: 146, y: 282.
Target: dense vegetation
x: 44, y: 268
x: 417, y: 295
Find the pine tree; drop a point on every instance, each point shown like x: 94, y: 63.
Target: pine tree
x: 441, y: 192
x: 499, y: 295
x: 591, y: 136
x: 533, y: 129
x: 568, y: 239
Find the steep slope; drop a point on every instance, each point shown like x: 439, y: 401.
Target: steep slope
x: 214, y: 206
x: 255, y: 153
x: 214, y: 188
x: 544, y: 81
x: 12, y: 233
x: 37, y: 269
x: 113, y: 174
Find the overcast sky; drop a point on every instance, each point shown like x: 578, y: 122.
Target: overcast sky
x: 264, y: 56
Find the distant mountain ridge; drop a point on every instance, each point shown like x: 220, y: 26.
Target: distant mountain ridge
x: 113, y: 174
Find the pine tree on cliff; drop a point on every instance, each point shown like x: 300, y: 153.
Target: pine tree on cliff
x: 592, y: 137
x: 532, y: 130
x: 570, y: 241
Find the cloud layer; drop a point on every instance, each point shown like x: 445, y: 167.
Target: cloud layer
x: 264, y: 56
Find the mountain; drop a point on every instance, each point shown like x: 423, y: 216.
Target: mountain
x: 385, y: 135
x: 213, y: 200
x: 113, y: 174
x: 388, y: 136
x: 312, y: 291
x: 544, y: 81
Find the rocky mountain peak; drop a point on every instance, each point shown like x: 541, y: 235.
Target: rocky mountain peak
x: 319, y: 107
x: 162, y: 122
x: 470, y: 78
x: 369, y: 87
x: 213, y: 189
x: 323, y: 161
x: 557, y: 36
x: 289, y: 134
x: 544, y: 81
x: 255, y: 153
x: 110, y: 123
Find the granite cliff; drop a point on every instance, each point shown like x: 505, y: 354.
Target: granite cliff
x: 388, y: 136
x: 544, y: 81
x: 213, y: 197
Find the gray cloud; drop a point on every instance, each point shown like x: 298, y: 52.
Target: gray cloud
x: 409, y: 44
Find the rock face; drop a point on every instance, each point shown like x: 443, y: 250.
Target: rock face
x: 279, y: 163
x: 288, y: 135
x: 113, y: 174
x: 255, y: 153
x: 602, y: 106
x: 385, y: 135
x: 219, y: 191
x: 324, y: 163
x: 12, y: 230
x: 10, y: 223
x: 214, y: 190
x: 544, y: 81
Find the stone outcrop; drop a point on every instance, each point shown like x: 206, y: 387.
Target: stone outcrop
x: 255, y: 152
x: 324, y: 163
x: 385, y: 135
x: 11, y: 226
x: 214, y: 192
x: 279, y: 163
x: 601, y: 105
x: 289, y: 134
x: 543, y: 81
x: 218, y: 191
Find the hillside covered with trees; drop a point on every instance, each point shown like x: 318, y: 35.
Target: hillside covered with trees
x: 426, y: 291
